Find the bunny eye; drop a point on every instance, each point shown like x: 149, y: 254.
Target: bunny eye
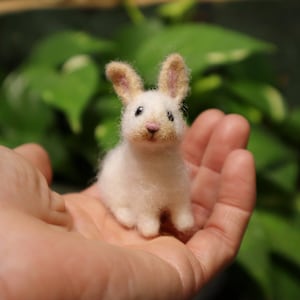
x: 170, y: 116
x: 139, y: 111
x: 184, y: 109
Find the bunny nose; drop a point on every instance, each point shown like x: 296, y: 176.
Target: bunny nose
x: 152, y: 127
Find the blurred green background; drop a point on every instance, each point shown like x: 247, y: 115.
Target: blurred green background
x: 244, y: 58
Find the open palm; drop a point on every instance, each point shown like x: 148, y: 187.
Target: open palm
x: 71, y: 247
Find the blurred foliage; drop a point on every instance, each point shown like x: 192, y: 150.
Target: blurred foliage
x: 58, y: 97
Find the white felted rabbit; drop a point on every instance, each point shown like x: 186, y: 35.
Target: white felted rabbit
x: 145, y: 175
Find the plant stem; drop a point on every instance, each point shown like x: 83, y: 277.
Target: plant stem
x: 134, y: 12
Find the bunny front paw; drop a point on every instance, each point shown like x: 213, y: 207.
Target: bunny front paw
x: 183, y: 221
x: 125, y: 216
x: 148, y: 226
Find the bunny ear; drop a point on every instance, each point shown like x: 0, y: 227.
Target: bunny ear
x: 174, y: 77
x: 126, y: 81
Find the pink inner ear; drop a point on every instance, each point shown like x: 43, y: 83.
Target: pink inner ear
x: 121, y: 81
x: 172, y: 82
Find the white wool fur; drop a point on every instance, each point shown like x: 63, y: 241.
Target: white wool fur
x: 145, y: 175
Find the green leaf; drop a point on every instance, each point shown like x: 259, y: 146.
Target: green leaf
x: 293, y: 122
x: 249, y: 112
x: 275, y: 161
x: 56, y: 49
x: 284, y: 237
x: 109, y: 107
x: 268, y: 234
x: 175, y: 10
x: 107, y: 134
x: 268, y: 150
x: 254, y: 255
x: 286, y: 282
x: 130, y: 38
x: 23, y: 117
x: 207, y: 84
x: 297, y: 209
x: 201, y: 45
x: 255, y: 68
x: 262, y: 96
x: 291, y: 126
x: 284, y: 175
x: 68, y: 90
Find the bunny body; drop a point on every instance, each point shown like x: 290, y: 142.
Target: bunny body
x: 145, y: 174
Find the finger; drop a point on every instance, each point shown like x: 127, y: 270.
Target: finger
x: 217, y: 244
x: 57, y: 212
x: 38, y: 157
x: 231, y: 133
x: 92, y: 191
x: 197, y: 137
x: 204, y: 191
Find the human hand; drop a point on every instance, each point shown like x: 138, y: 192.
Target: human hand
x: 71, y: 247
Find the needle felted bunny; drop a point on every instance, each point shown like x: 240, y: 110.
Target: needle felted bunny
x: 145, y: 175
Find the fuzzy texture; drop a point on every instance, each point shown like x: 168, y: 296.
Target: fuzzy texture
x: 145, y: 175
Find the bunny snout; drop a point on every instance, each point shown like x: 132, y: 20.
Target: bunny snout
x: 152, y: 127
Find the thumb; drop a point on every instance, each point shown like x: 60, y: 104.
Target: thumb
x: 38, y: 157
